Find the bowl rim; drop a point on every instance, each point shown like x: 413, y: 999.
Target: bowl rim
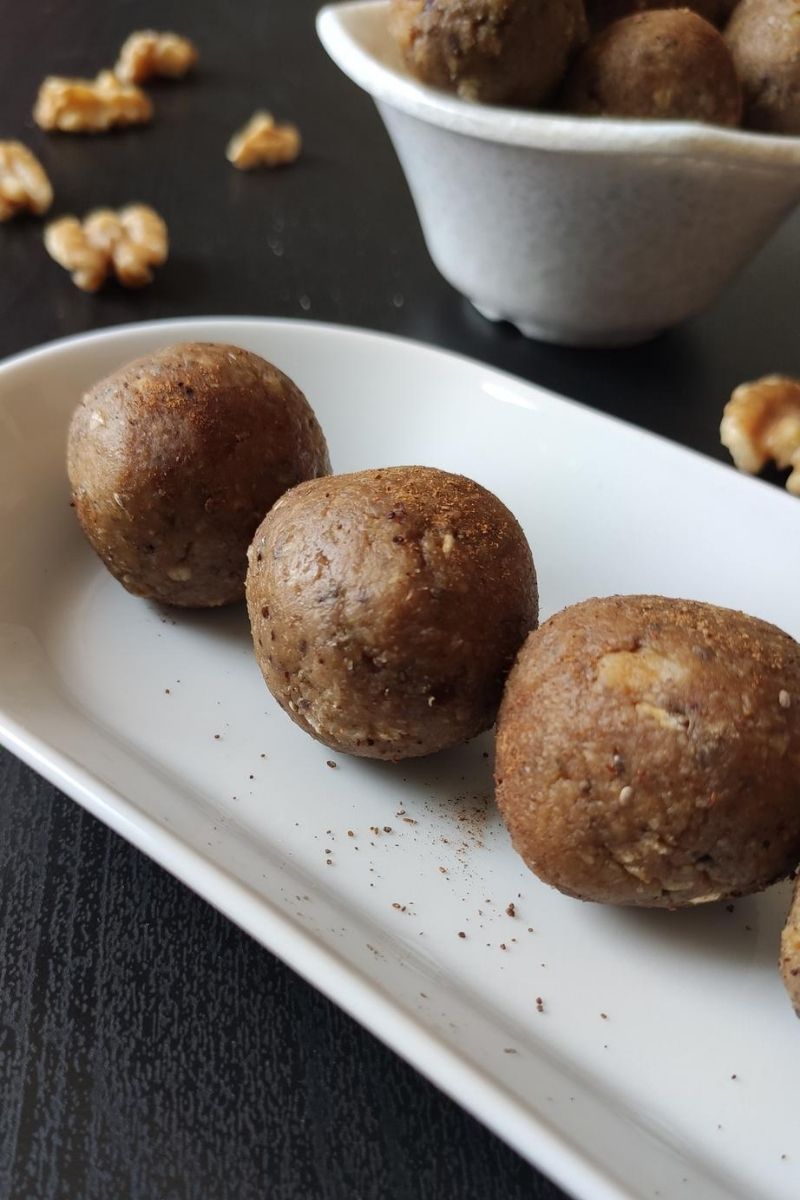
x: 341, y: 28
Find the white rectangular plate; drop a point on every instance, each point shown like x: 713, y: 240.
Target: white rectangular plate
x: 666, y: 1058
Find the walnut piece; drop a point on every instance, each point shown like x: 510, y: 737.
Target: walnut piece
x: 147, y: 53
x: 790, y: 950
x: 131, y: 242
x: 262, y: 143
x: 761, y: 421
x: 90, y: 105
x: 66, y: 242
x: 24, y: 186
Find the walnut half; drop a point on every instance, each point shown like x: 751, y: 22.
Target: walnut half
x: 262, y: 143
x: 131, y: 242
x: 90, y: 105
x: 24, y: 186
x: 146, y: 54
x: 761, y: 421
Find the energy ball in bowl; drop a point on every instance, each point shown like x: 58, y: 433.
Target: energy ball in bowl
x: 494, y: 51
x: 667, y: 64
x: 387, y: 607
x: 648, y: 752
x: 174, y: 459
x: 764, y: 38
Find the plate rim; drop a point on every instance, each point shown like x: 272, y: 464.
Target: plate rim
x: 109, y: 332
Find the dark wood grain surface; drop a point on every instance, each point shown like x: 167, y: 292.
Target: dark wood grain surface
x: 148, y: 1049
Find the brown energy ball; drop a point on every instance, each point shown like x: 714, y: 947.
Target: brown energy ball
x: 764, y: 38
x: 790, y: 951
x: 648, y: 752
x: 494, y: 51
x: 175, y: 458
x: 667, y: 64
x: 387, y: 607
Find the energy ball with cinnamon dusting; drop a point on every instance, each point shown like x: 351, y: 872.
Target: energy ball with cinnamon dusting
x: 175, y: 458
x: 764, y: 38
x: 387, y: 607
x: 648, y: 752
x: 667, y: 64
x: 495, y: 51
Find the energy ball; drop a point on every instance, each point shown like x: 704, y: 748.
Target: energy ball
x: 648, y: 752
x: 764, y: 38
x: 494, y: 51
x: 387, y: 607
x: 790, y: 951
x: 174, y: 459
x: 667, y: 64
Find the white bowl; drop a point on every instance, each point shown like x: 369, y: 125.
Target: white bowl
x: 579, y: 230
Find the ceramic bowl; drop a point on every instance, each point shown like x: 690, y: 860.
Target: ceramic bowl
x: 579, y: 230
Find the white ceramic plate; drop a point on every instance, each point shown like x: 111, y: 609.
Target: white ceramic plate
x: 667, y: 1057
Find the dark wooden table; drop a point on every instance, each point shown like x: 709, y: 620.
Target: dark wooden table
x: 149, y: 1049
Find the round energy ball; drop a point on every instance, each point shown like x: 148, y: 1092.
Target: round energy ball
x: 387, y: 607
x: 763, y: 37
x: 174, y: 459
x: 494, y: 51
x: 666, y: 64
x: 648, y: 752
